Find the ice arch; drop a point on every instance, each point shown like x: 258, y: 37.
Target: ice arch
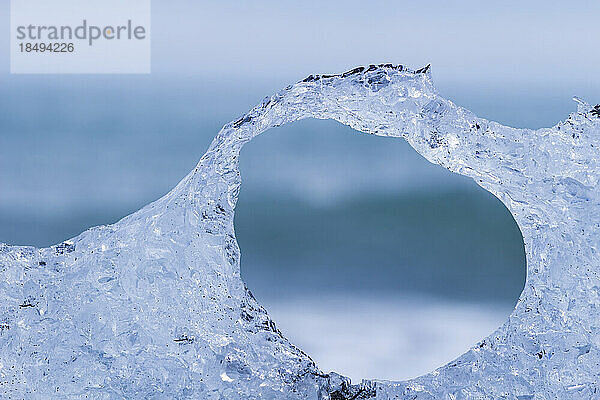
x: 153, y: 306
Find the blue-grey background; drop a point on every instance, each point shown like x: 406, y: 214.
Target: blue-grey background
x: 360, y: 249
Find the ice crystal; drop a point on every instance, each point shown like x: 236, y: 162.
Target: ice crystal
x: 154, y: 307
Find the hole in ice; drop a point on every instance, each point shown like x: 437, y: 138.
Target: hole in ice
x: 369, y: 258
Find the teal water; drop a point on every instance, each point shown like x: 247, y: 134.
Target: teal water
x: 462, y: 245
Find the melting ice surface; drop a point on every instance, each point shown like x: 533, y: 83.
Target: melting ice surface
x: 154, y: 307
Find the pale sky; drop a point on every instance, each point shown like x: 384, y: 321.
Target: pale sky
x: 544, y: 41
x: 540, y: 40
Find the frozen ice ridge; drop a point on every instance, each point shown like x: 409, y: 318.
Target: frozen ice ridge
x: 153, y: 307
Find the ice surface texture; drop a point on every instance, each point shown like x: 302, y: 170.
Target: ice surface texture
x: 153, y: 307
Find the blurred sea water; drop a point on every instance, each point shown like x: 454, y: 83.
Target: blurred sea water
x: 357, y: 245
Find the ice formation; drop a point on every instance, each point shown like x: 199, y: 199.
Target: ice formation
x: 153, y: 306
